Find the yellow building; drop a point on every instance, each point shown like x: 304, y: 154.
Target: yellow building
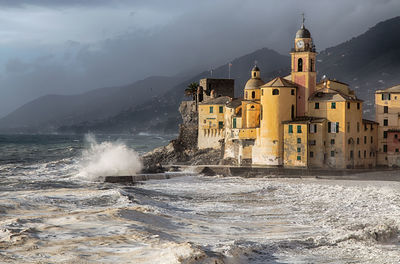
x: 387, y: 114
x: 211, y: 122
x: 295, y: 122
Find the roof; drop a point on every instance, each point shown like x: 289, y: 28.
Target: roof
x: 254, y: 83
x: 366, y: 121
x: 235, y: 103
x: 332, y: 80
x: 393, y: 130
x: 327, y: 94
x: 394, y: 89
x: 279, y: 82
x: 219, y: 100
x: 303, y: 32
x: 255, y: 68
x: 305, y: 120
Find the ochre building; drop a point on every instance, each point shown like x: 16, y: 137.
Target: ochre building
x: 293, y: 121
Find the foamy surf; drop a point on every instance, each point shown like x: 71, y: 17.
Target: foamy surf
x: 107, y: 159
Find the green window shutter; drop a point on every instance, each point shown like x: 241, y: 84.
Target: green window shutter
x: 298, y: 129
x: 211, y: 109
x: 329, y: 127
x: 316, y: 105
x: 220, y: 124
x: 333, y: 105
x: 234, y: 122
x: 290, y: 129
x: 221, y: 109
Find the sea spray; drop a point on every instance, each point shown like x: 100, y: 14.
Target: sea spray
x: 107, y: 159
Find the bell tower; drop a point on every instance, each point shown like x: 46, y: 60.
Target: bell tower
x: 303, y: 68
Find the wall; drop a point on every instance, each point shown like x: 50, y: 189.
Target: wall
x: 292, y: 156
x: 209, y: 131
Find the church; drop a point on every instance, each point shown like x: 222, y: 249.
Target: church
x: 290, y: 121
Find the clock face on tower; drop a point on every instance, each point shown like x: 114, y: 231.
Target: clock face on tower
x: 300, y: 44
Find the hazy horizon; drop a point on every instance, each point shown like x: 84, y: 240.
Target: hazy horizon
x: 68, y: 47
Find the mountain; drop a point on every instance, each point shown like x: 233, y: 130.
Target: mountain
x: 367, y: 62
x: 49, y: 112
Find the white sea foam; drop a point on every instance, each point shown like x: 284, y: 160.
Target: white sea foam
x: 107, y: 159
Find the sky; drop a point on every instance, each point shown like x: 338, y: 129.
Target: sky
x: 73, y: 46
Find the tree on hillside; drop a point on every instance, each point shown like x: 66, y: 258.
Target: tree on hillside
x: 192, y: 90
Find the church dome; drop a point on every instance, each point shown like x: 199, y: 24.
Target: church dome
x: 303, y: 33
x: 254, y: 83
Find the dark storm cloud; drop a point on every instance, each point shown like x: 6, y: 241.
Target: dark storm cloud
x: 121, y: 41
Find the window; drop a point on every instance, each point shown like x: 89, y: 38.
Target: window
x: 290, y: 129
x: 221, y: 109
x: 397, y: 150
x: 349, y: 141
x: 298, y: 140
x: 298, y: 157
x: 348, y: 105
x: 255, y: 74
x: 333, y: 105
x: 298, y: 129
x: 358, y: 141
x: 384, y: 134
x: 372, y: 140
x: 316, y: 105
x: 384, y: 148
x: 275, y: 92
x: 220, y: 125
x: 396, y: 136
x: 300, y: 65
x: 246, y: 96
x: 365, y: 139
x: 348, y: 127
x: 365, y: 127
x: 385, y: 122
x: 292, y: 112
x: 313, y: 128
x: 312, y: 142
x: 358, y: 106
x: 359, y: 154
x: 332, y: 153
x: 311, y: 154
x: 332, y: 142
x: 292, y: 92
x: 211, y: 109
x: 365, y: 154
x: 234, y: 122
x: 358, y: 126
x: 262, y: 91
x: 385, y: 109
x: 298, y: 149
x: 333, y: 127
x: 253, y: 94
x: 386, y: 96
x: 252, y: 107
x: 351, y: 154
x: 311, y: 65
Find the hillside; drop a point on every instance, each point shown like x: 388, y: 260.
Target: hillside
x: 49, y: 112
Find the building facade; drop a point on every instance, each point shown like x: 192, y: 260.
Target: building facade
x: 293, y: 121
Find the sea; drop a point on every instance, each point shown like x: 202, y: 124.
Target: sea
x: 56, y: 208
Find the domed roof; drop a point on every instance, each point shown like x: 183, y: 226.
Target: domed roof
x: 255, y: 68
x: 303, y: 33
x: 254, y: 83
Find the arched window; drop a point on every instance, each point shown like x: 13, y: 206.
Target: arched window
x: 300, y: 65
x: 255, y: 74
x: 252, y: 107
x: 292, y: 111
x: 275, y: 92
x: 253, y: 94
x: 311, y: 65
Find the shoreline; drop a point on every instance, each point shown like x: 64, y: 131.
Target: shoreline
x: 172, y: 171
